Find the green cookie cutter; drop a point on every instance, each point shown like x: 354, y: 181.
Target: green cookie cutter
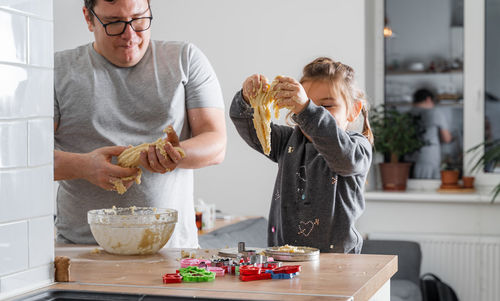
x: 196, y: 274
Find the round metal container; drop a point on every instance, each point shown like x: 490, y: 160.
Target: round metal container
x: 308, y: 254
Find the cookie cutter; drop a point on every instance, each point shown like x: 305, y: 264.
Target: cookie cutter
x: 188, y: 262
x: 172, y: 278
x: 196, y: 274
x: 219, y: 272
x: 245, y: 253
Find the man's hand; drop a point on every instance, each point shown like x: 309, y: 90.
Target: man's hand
x: 154, y: 161
x: 98, y: 169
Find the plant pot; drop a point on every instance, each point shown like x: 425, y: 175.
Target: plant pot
x: 468, y: 182
x: 449, y: 178
x: 394, y: 176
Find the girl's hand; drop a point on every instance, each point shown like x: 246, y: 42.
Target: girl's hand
x: 252, y: 85
x: 290, y: 94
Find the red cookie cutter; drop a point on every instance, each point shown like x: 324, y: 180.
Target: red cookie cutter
x: 287, y: 269
x: 251, y: 273
x: 172, y: 278
x: 249, y: 270
x: 262, y: 276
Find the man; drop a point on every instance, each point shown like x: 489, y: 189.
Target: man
x: 428, y: 158
x: 124, y: 89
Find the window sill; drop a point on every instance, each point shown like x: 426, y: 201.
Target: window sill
x: 480, y: 196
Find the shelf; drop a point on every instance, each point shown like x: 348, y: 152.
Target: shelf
x: 407, y: 72
x: 478, y: 197
x: 440, y: 104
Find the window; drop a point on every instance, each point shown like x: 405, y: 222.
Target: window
x: 492, y: 77
x: 480, y: 51
x: 424, y: 74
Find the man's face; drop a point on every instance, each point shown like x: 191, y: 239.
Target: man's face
x: 124, y: 50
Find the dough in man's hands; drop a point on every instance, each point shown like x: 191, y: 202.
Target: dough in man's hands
x: 131, y: 156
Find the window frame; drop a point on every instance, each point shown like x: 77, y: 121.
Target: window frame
x: 473, y: 85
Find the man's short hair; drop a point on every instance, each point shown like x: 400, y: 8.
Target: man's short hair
x: 421, y: 95
x: 89, y: 4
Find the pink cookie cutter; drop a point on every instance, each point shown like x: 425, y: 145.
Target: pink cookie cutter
x: 219, y: 272
x: 187, y: 262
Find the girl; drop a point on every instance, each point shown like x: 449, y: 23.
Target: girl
x: 318, y: 194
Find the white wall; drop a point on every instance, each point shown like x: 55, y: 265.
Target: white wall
x: 422, y: 30
x: 242, y: 38
x: 26, y: 148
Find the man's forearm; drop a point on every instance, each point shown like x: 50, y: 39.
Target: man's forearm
x: 67, y: 166
x: 203, y: 150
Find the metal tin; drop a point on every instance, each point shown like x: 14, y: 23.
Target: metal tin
x: 233, y: 252
x: 258, y: 259
x: 309, y: 254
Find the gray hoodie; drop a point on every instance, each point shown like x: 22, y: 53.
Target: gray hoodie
x: 318, y: 194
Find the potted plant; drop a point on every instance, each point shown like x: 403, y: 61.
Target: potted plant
x: 449, y: 176
x: 490, y: 158
x: 396, y: 134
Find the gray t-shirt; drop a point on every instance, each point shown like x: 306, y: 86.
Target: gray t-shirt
x: 98, y: 104
x: 428, y: 158
x: 318, y: 193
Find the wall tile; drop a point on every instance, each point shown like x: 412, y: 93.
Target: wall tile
x: 26, y: 280
x: 13, y: 247
x: 41, y: 49
x: 12, y: 99
x: 18, y: 202
x: 13, y: 36
x: 13, y: 144
x: 41, y: 241
x: 41, y: 193
x: 39, y: 92
x: 40, y: 141
x: 26, y: 92
x: 40, y: 8
x: 14, y: 195
x: 26, y: 140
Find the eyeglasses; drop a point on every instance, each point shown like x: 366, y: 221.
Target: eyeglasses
x: 116, y: 28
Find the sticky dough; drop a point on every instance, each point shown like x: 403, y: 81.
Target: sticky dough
x: 261, y: 104
x: 131, y: 158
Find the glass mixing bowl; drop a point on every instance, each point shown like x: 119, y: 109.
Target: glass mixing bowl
x: 132, y: 230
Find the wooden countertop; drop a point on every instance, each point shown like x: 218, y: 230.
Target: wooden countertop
x: 220, y: 223
x: 333, y: 277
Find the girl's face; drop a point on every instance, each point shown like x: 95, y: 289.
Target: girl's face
x: 320, y: 92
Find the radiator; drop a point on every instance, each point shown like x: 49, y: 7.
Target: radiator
x: 469, y: 264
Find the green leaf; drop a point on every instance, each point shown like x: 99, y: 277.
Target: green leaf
x: 491, y: 155
x: 395, y: 132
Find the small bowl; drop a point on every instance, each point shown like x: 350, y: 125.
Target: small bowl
x: 132, y: 230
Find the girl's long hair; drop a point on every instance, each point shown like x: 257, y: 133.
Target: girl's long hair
x: 341, y: 77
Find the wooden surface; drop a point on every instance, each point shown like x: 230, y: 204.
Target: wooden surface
x: 458, y: 189
x: 333, y: 277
